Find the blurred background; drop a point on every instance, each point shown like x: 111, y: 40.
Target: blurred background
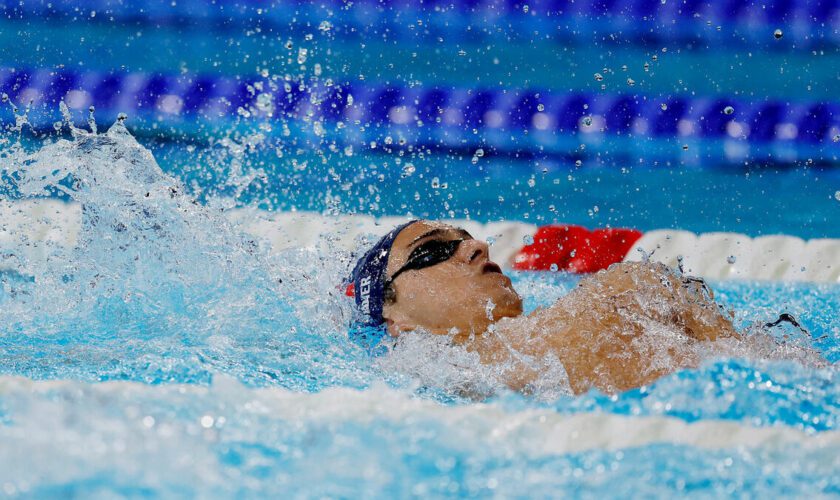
x: 706, y: 116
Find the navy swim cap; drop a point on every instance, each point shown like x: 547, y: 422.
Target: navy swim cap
x: 368, y: 279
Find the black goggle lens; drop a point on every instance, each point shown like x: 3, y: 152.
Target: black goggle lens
x: 429, y: 254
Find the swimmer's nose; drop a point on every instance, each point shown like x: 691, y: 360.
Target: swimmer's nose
x: 473, y: 252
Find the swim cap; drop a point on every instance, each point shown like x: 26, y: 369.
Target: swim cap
x: 368, y: 279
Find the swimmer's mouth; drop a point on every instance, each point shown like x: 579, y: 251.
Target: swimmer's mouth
x: 491, y: 267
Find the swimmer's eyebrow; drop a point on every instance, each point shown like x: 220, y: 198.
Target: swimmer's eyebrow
x: 437, y: 231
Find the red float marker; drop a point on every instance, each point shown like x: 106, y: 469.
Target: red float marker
x: 575, y: 249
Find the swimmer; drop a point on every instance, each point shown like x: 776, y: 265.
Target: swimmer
x: 620, y: 328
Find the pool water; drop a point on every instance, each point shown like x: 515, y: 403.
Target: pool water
x: 169, y: 355
x: 755, y: 200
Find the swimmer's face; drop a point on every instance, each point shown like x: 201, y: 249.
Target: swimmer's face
x: 466, y: 291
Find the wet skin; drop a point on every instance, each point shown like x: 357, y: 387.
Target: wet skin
x: 452, y: 294
x: 619, y: 329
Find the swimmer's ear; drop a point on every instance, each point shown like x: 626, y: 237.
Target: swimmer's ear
x: 397, y: 323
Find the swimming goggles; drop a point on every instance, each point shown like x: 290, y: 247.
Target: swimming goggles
x: 427, y: 255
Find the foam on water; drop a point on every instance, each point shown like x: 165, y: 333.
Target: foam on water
x: 226, y: 440
x: 248, y: 383
x: 159, y: 287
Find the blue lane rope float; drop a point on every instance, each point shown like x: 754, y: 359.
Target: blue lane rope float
x: 503, y: 119
x: 808, y: 21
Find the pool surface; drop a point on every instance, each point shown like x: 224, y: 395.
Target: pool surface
x: 170, y: 354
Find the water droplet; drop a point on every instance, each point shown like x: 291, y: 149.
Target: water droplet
x: 528, y: 239
x: 631, y: 82
x: 836, y: 138
x: 532, y: 182
x: 837, y: 195
x: 587, y: 121
x: 777, y: 34
x: 578, y: 163
x: 435, y: 183
x: 325, y: 26
x: 540, y: 107
x: 598, y: 77
x: 731, y: 259
x: 409, y: 169
x: 553, y: 268
x: 479, y: 152
x: 207, y: 421
x: 663, y: 107
x: 302, y: 55
x: 685, y: 147
x: 728, y: 110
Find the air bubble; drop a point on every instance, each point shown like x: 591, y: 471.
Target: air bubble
x: 540, y: 107
x: 435, y: 183
x: 528, y: 239
x: 728, y: 110
x: 578, y: 163
x: 731, y: 259
x: 663, y: 107
x: 777, y: 34
x: 598, y: 77
x: 532, y: 182
x: 553, y: 268
x: 837, y: 195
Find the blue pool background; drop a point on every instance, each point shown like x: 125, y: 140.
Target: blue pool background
x: 772, y: 172
x: 170, y: 68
